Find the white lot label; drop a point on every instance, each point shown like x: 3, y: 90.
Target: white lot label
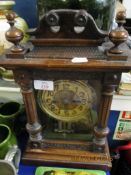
x: 79, y: 60
x: 44, y: 85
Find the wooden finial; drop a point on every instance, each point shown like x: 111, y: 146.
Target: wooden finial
x: 119, y: 35
x: 14, y: 35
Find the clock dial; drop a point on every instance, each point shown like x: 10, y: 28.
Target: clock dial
x: 70, y: 100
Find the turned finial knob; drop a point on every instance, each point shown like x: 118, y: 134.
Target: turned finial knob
x: 14, y: 35
x: 119, y: 35
x: 10, y: 17
x: 120, y: 17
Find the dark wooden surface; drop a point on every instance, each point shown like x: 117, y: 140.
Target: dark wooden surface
x: 61, y: 18
x: 66, y: 64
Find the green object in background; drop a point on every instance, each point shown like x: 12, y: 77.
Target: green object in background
x: 9, y: 111
x: 6, y: 74
x: 7, y: 140
x: 66, y: 171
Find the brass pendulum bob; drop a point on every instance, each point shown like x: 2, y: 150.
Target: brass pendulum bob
x: 119, y: 35
x: 14, y: 35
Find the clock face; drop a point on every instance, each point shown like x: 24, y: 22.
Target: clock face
x: 69, y: 102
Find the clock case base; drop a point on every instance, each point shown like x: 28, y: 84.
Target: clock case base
x: 67, y: 154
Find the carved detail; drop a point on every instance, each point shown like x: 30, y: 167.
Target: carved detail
x: 100, y: 137
x: 119, y: 35
x: 67, y: 20
x: 14, y: 34
x: 52, y: 19
x: 23, y: 78
x: 81, y: 18
x: 110, y: 82
x: 34, y: 131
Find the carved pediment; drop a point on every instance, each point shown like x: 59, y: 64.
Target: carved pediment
x: 68, y: 24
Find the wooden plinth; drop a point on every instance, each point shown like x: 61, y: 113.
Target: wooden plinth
x: 68, y: 154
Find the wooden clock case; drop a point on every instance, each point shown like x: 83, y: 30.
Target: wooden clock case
x: 54, y: 44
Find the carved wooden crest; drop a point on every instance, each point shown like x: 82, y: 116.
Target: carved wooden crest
x: 67, y: 24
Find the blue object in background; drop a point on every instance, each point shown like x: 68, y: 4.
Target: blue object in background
x: 26, y: 170
x: 113, y: 117
x: 27, y: 9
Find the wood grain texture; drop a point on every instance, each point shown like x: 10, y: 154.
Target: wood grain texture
x: 68, y: 157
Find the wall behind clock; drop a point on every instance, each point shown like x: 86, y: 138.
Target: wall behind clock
x: 27, y: 9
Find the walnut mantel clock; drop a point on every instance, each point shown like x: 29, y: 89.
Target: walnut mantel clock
x: 67, y: 126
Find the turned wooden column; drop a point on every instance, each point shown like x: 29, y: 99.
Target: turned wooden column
x: 23, y: 78
x: 101, y: 130
x: 33, y: 126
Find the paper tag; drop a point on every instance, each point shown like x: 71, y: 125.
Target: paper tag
x: 44, y: 85
x: 79, y: 60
